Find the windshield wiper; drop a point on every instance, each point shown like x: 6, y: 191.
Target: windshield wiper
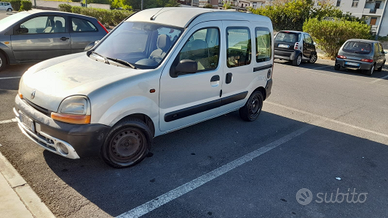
x: 105, y: 59
x: 126, y: 63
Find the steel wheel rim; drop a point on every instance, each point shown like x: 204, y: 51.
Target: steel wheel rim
x: 313, y: 59
x: 254, y: 106
x: 127, y: 146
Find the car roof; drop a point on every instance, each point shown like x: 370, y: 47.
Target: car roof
x: 290, y: 31
x: 184, y: 16
x: 362, y: 40
x: 33, y: 12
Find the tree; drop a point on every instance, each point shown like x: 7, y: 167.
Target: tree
x: 331, y: 34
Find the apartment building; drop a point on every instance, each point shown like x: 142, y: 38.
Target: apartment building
x: 374, y: 11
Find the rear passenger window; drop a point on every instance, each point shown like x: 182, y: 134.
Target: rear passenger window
x: 204, y: 48
x: 263, y: 44
x: 238, y: 46
x: 81, y: 25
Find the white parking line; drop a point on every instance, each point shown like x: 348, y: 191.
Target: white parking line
x: 202, y: 180
x: 329, y: 119
x: 376, y: 80
x: 13, y: 77
x: 8, y: 121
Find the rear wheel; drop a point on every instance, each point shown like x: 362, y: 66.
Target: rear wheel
x: 3, y: 62
x: 371, y: 70
x: 127, y: 144
x: 381, y: 67
x: 9, y: 9
x: 252, y: 108
x: 297, y: 60
x: 313, y: 58
x: 337, y: 66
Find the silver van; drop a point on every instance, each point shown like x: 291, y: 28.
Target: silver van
x: 149, y: 76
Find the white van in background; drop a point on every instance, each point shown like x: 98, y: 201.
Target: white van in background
x: 149, y: 76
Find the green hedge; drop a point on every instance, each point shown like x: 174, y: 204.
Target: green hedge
x: 106, y: 17
x: 15, y: 4
x: 25, y: 6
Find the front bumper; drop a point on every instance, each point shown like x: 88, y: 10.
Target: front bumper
x: 353, y: 64
x: 68, y: 140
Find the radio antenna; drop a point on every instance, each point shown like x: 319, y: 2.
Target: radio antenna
x: 154, y: 16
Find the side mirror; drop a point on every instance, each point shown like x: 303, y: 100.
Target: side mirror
x: 22, y: 30
x: 91, y: 45
x: 184, y: 67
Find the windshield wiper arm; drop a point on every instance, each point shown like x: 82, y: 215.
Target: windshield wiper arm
x: 126, y: 63
x: 105, y: 59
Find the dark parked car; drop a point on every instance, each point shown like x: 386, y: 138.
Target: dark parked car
x: 361, y: 54
x: 36, y: 36
x: 295, y: 46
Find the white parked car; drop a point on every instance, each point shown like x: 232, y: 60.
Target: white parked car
x: 149, y: 76
x: 5, y: 6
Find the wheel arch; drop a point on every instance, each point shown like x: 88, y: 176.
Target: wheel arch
x: 146, y: 119
x: 5, y: 55
x: 262, y: 90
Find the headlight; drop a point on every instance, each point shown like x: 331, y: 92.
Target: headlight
x: 74, y: 109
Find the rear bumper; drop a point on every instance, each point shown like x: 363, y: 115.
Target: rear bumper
x: 350, y: 64
x: 68, y: 140
x: 285, y: 55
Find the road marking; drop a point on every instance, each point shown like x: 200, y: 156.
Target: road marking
x: 202, y: 180
x: 377, y: 80
x: 8, y: 121
x: 329, y: 119
x: 13, y: 77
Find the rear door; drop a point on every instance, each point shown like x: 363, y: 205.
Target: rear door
x: 83, y: 32
x: 40, y: 38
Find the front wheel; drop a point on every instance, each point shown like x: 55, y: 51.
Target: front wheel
x: 9, y: 9
x: 127, y: 144
x: 313, y: 58
x: 297, y: 60
x: 3, y: 62
x: 252, y: 109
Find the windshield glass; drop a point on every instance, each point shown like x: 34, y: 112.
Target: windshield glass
x: 8, y: 21
x: 143, y: 45
x: 287, y: 37
x: 358, y: 47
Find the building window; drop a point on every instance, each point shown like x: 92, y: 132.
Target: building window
x: 355, y: 3
x: 338, y: 3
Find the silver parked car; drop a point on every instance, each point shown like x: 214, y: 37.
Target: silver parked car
x: 5, y: 6
x: 361, y: 54
x: 36, y: 36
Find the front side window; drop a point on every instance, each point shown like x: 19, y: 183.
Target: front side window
x: 238, y: 46
x: 263, y: 44
x: 81, y: 25
x: 202, y: 47
x: 308, y: 39
x: 43, y: 24
x: 141, y: 44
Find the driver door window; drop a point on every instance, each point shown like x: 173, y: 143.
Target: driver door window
x: 43, y: 24
x: 203, y: 48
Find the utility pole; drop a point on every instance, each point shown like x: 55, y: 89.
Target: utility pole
x: 141, y: 7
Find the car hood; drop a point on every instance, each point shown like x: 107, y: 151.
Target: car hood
x: 55, y: 79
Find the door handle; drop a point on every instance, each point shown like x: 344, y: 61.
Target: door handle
x: 64, y: 38
x: 215, y: 78
x: 228, y: 78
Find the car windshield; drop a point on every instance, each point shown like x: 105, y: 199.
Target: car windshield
x: 138, y: 44
x: 357, y: 47
x: 287, y: 37
x: 10, y: 20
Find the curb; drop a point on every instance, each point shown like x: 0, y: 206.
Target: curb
x: 27, y: 196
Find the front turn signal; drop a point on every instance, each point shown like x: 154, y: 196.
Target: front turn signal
x: 71, y: 118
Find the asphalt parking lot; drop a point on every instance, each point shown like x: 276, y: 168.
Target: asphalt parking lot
x: 319, y: 149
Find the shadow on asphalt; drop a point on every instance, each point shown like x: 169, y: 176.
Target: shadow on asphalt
x: 328, y: 66
x: 266, y: 185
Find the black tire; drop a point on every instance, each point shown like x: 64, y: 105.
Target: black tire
x: 297, y: 60
x: 3, y: 62
x: 9, y: 9
x: 381, y: 68
x: 127, y: 143
x: 252, y: 108
x: 371, y: 70
x: 313, y: 58
x: 337, y: 67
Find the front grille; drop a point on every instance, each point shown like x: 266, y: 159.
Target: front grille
x: 38, y: 108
